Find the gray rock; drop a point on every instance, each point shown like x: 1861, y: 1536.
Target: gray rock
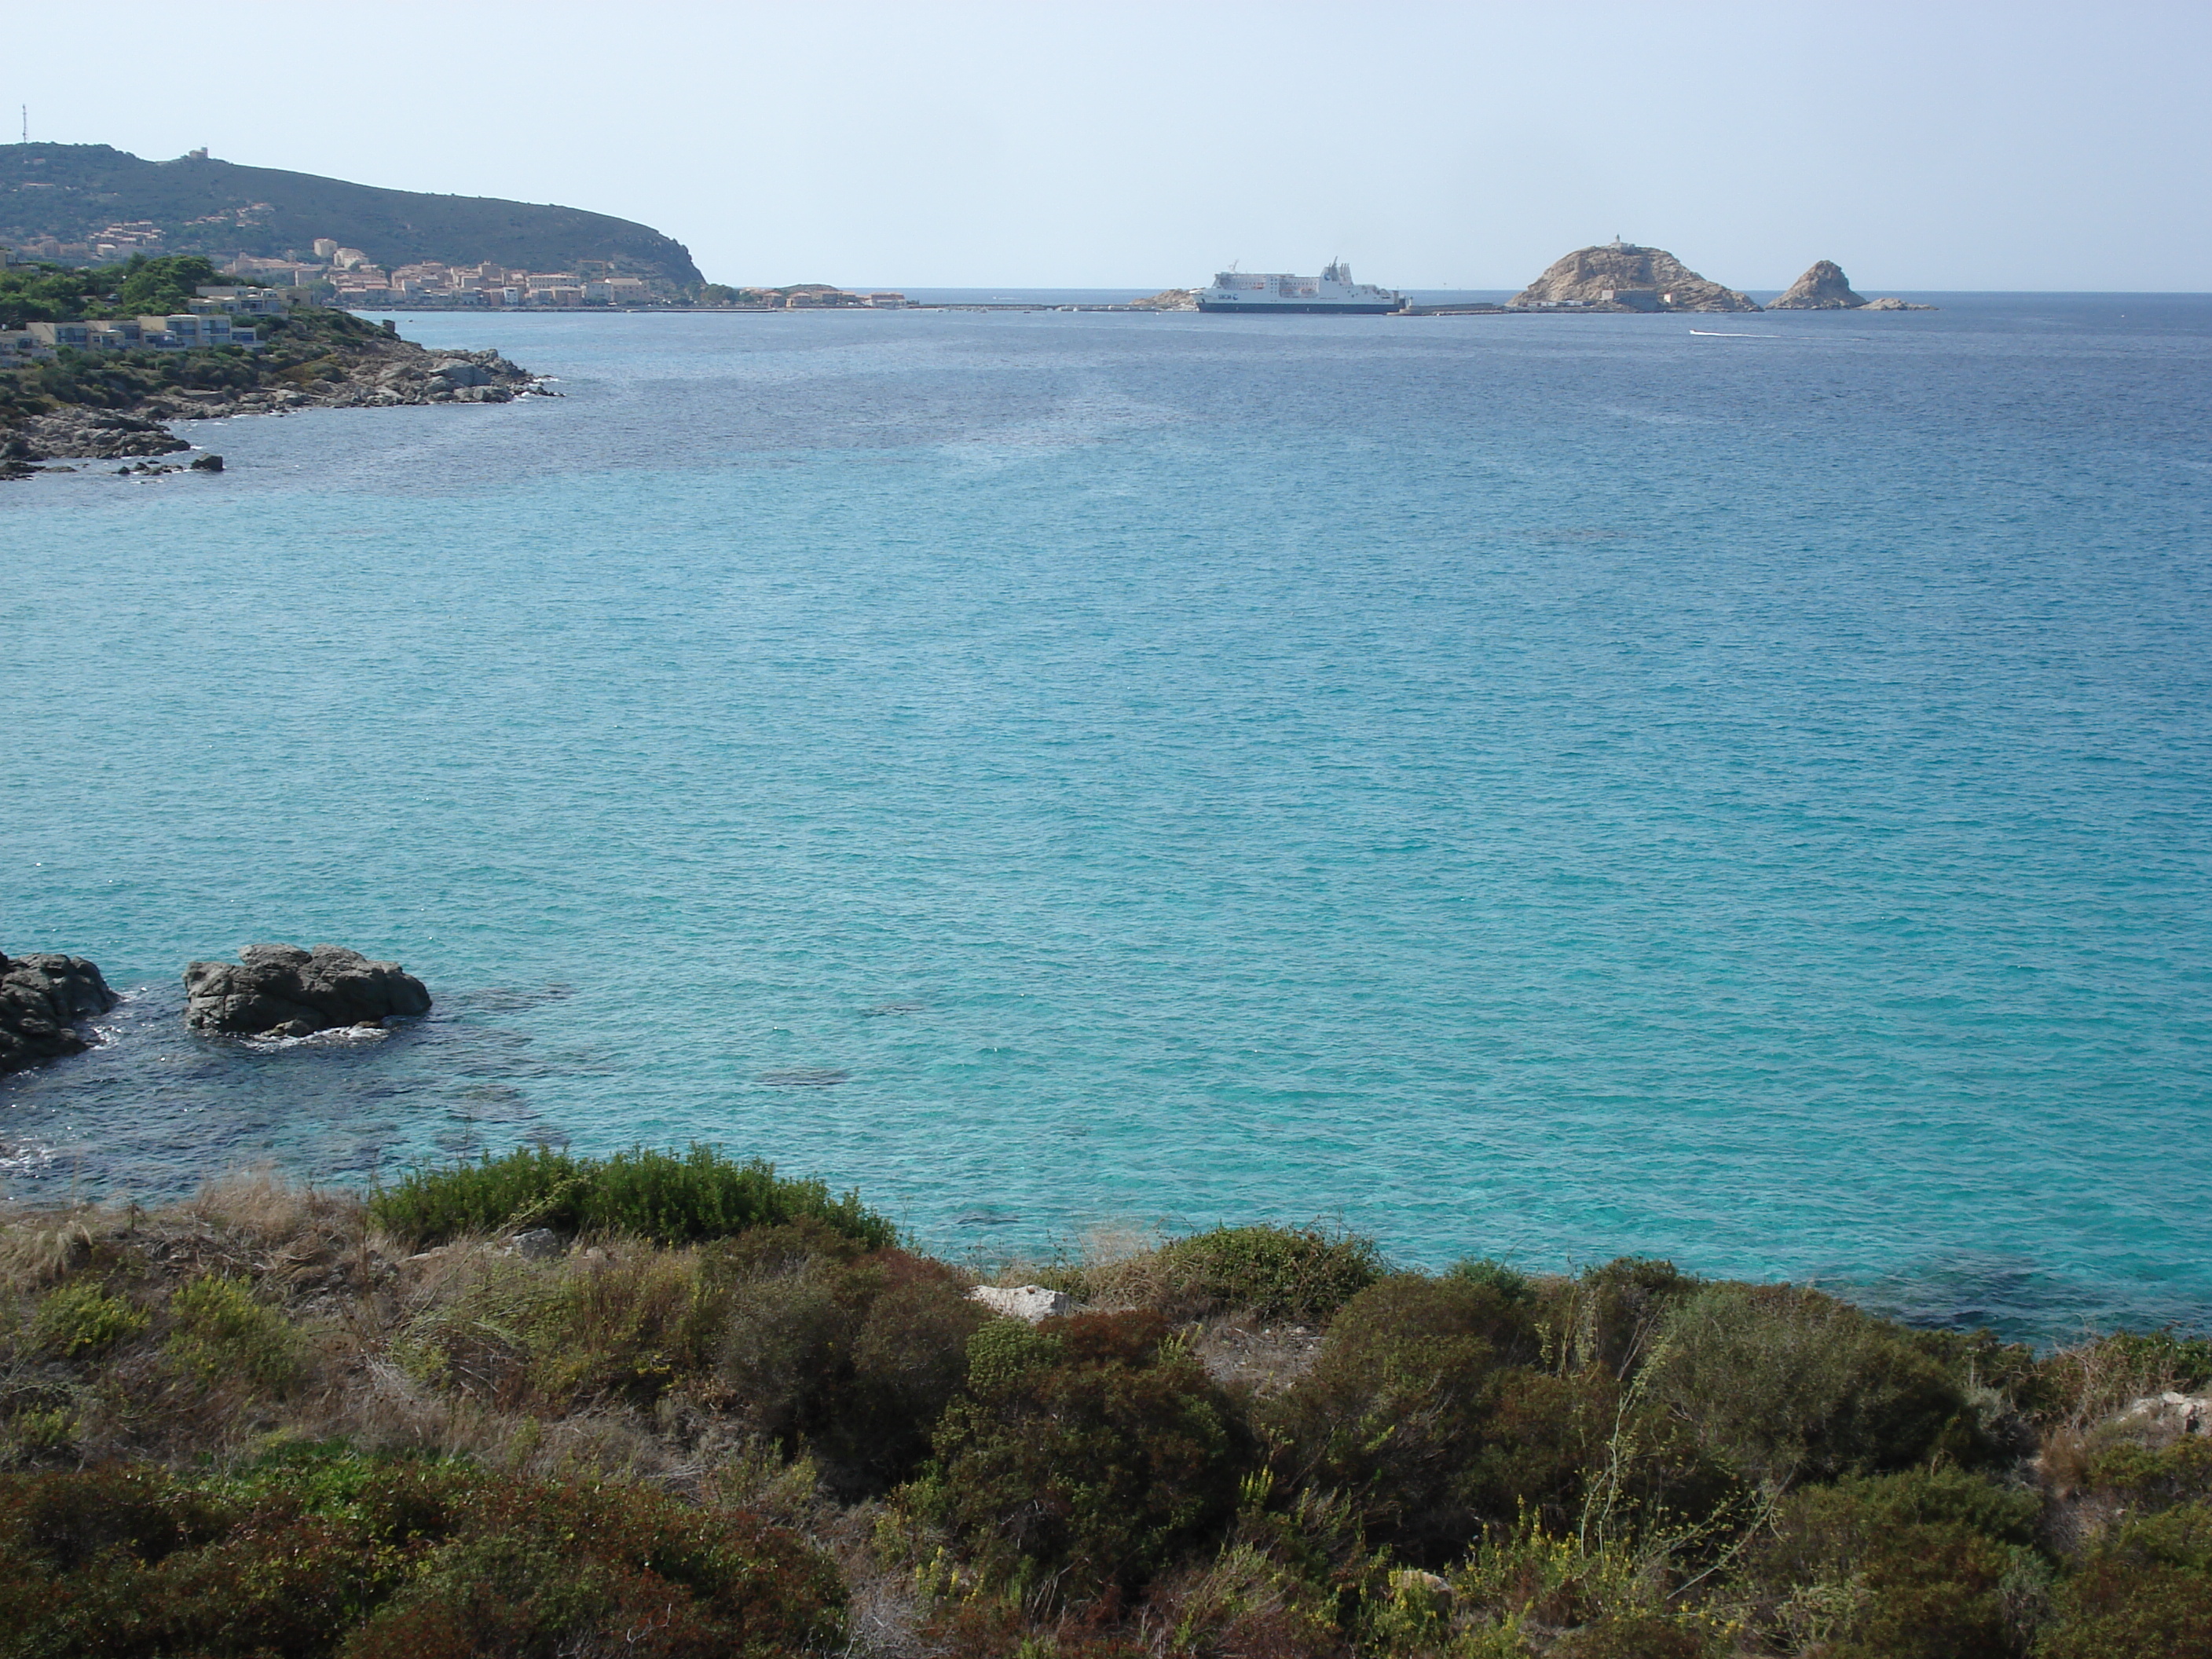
x: 280, y: 990
x: 1895, y: 305
x: 100, y: 435
x: 1029, y: 1301
x: 208, y: 463
x: 539, y: 1244
x: 43, y: 999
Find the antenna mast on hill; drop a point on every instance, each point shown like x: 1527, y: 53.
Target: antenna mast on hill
x: 27, y: 123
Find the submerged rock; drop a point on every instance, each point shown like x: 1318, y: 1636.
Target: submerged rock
x: 43, y: 997
x: 280, y: 990
x: 1622, y: 276
x: 1823, y: 288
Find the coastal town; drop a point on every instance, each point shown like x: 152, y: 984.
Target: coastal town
x: 331, y: 273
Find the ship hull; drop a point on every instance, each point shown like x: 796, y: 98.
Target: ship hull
x: 1294, y: 309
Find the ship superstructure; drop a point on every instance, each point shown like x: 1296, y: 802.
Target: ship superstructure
x: 1331, y: 294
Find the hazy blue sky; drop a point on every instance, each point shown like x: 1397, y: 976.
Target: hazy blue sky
x: 1930, y: 146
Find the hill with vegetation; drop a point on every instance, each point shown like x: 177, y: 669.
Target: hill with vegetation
x: 70, y: 192
x: 675, y: 1405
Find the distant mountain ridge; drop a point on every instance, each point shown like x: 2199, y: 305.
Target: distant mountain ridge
x: 71, y: 192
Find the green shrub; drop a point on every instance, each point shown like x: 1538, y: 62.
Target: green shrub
x: 546, y: 1569
x: 79, y: 1319
x: 1921, y: 1565
x: 1274, y: 1272
x: 1511, y: 1284
x: 1611, y: 1315
x: 910, y: 1358
x: 2145, y: 1592
x: 1087, y: 1472
x: 650, y: 1194
x: 1399, y: 1413
x: 223, y: 1335
x: 1779, y: 1382
x: 2150, y: 1479
x: 323, y: 1552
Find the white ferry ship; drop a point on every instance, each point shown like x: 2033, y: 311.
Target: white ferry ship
x: 1332, y: 293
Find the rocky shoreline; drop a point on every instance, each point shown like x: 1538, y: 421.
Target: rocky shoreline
x: 371, y: 369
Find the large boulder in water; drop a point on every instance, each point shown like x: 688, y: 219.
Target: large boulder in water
x: 280, y: 990
x: 42, y: 999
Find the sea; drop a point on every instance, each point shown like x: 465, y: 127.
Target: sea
x: 1736, y: 789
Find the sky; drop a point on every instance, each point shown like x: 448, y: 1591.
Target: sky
x: 1924, y: 147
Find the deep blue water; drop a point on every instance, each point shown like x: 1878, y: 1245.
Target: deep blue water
x: 1548, y: 788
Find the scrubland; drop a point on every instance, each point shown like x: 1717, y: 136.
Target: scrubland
x: 706, y: 1410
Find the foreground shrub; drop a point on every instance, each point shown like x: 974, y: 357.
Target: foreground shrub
x: 1779, y: 1382
x: 223, y: 1335
x: 571, y: 1569
x: 80, y: 1319
x: 649, y: 1195
x: 335, y: 1553
x: 1421, y: 1409
x: 1273, y: 1272
x: 1089, y: 1454
x: 2144, y: 1592
x: 855, y: 1357
x: 1919, y: 1565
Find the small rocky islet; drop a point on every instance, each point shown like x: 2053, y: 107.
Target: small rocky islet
x: 47, y: 999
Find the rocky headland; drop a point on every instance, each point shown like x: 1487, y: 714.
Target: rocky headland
x: 1168, y: 299
x: 1622, y: 276
x: 281, y: 990
x: 44, y: 1000
x: 119, y: 405
x: 1824, y: 287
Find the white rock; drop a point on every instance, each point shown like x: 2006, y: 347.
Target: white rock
x: 2171, y: 1414
x: 1029, y: 1301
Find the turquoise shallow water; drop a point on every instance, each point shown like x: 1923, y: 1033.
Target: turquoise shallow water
x: 1548, y: 787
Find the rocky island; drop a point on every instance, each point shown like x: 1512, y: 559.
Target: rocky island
x: 1824, y: 287
x: 1619, y: 275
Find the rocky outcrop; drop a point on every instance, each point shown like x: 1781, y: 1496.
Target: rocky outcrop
x: 99, y: 435
x: 375, y: 372
x: 1169, y: 299
x: 1621, y: 276
x: 43, y: 999
x: 2162, y: 1418
x: 280, y: 990
x: 1029, y: 1301
x: 1822, y: 287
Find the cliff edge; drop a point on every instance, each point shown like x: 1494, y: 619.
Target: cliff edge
x: 1622, y: 276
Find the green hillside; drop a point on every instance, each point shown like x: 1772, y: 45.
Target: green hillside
x: 72, y: 191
